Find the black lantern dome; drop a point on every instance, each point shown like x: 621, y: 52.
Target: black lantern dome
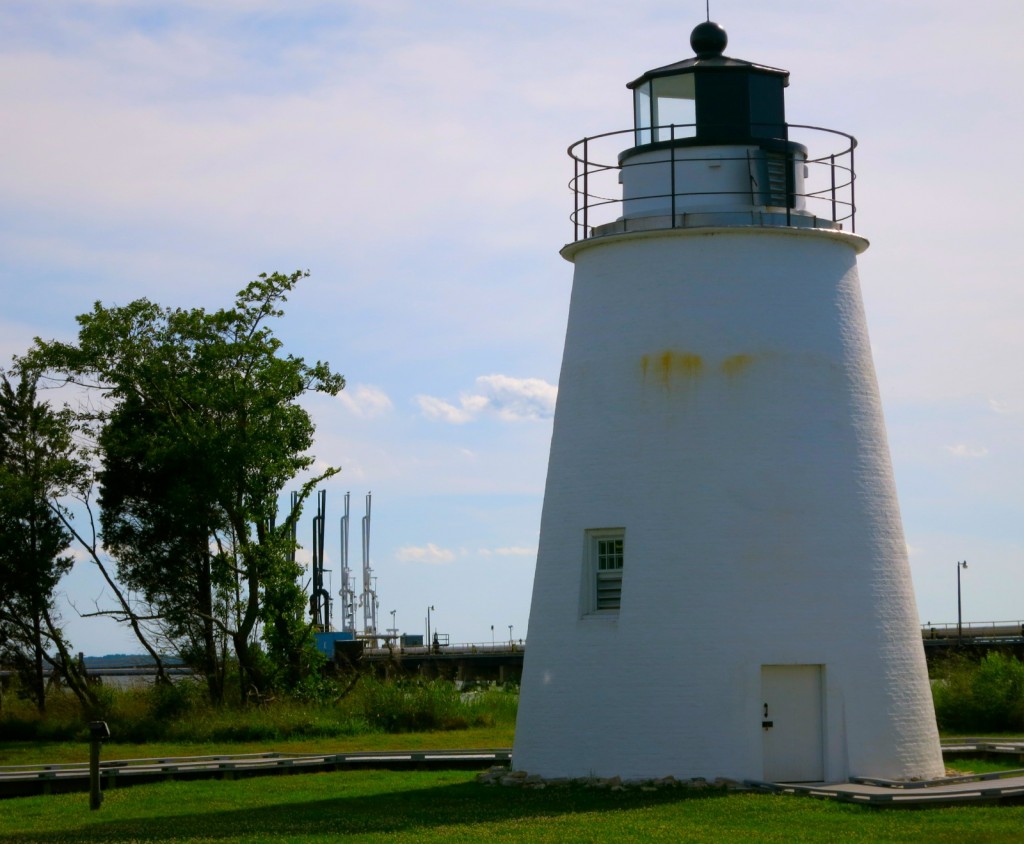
x: 708, y: 39
x: 711, y: 98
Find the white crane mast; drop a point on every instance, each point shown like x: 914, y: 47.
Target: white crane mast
x: 347, y: 593
x: 369, y: 597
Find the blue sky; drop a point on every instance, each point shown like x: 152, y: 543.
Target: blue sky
x: 411, y: 155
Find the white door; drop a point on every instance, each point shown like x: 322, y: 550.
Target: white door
x: 792, y: 723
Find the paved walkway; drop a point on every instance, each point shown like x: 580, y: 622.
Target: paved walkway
x: 999, y: 785
x: 1006, y: 788
x: 16, y: 780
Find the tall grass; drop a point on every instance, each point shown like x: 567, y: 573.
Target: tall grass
x: 182, y: 713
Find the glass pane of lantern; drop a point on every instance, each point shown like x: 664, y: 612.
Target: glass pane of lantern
x: 674, y: 106
x: 642, y: 114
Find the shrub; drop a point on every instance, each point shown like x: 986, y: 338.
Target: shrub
x: 400, y: 706
x: 985, y: 696
x: 21, y: 721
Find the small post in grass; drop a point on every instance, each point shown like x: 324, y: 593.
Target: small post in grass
x: 98, y: 732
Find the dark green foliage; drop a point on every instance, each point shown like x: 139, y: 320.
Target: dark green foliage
x: 36, y: 462
x: 980, y: 697
x: 39, y: 464
x: 200, y: 433
x: 317, y: 687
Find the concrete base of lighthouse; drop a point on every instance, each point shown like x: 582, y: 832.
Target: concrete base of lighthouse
x: 718, y: 411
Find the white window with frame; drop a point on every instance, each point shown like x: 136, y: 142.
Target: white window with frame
x: 604, y: 559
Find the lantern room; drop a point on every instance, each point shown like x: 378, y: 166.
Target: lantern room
x: 710, y: 98
x: 710, y: 137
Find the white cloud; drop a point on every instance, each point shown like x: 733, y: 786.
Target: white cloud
x: 509, y: 551
x: 435, y: 408
x: 962, y: 450
x: 1002, y: 407
x: 510, y: 399
x: 519, y: 398
x: 366, y: 401
x: 430, y: 554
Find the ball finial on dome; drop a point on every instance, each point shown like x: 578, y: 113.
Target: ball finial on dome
x: 708, y: 40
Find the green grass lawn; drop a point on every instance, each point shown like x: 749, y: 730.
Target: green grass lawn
x: 450, y: 806
x: 985, y: 766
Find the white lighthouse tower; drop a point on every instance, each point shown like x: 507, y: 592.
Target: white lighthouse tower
x: 722, y: 584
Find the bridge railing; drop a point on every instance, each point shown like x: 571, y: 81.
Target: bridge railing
x: 973, y: 629
x: 482, y: 648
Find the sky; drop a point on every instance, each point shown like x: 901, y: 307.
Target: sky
x: 411, y: 156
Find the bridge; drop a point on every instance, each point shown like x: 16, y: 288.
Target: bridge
x: 503, y: 661
x: 500, y: 662
x: 975, y: 637
x: 973, y: 631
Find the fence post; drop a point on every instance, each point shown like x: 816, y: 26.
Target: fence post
x: 98, y: 732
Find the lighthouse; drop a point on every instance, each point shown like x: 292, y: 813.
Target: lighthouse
x: 722, y: 586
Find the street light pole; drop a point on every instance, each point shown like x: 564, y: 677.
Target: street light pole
x: 510, y: 636
x: 959, y: 604
x: 429, y: 609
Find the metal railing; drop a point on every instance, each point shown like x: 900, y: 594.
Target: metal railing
x: 974, y: 630
x: 497, y: 647
x: 828, y: 189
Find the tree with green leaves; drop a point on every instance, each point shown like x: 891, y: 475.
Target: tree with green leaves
x: 39, y: 466
x: 199, y: 432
